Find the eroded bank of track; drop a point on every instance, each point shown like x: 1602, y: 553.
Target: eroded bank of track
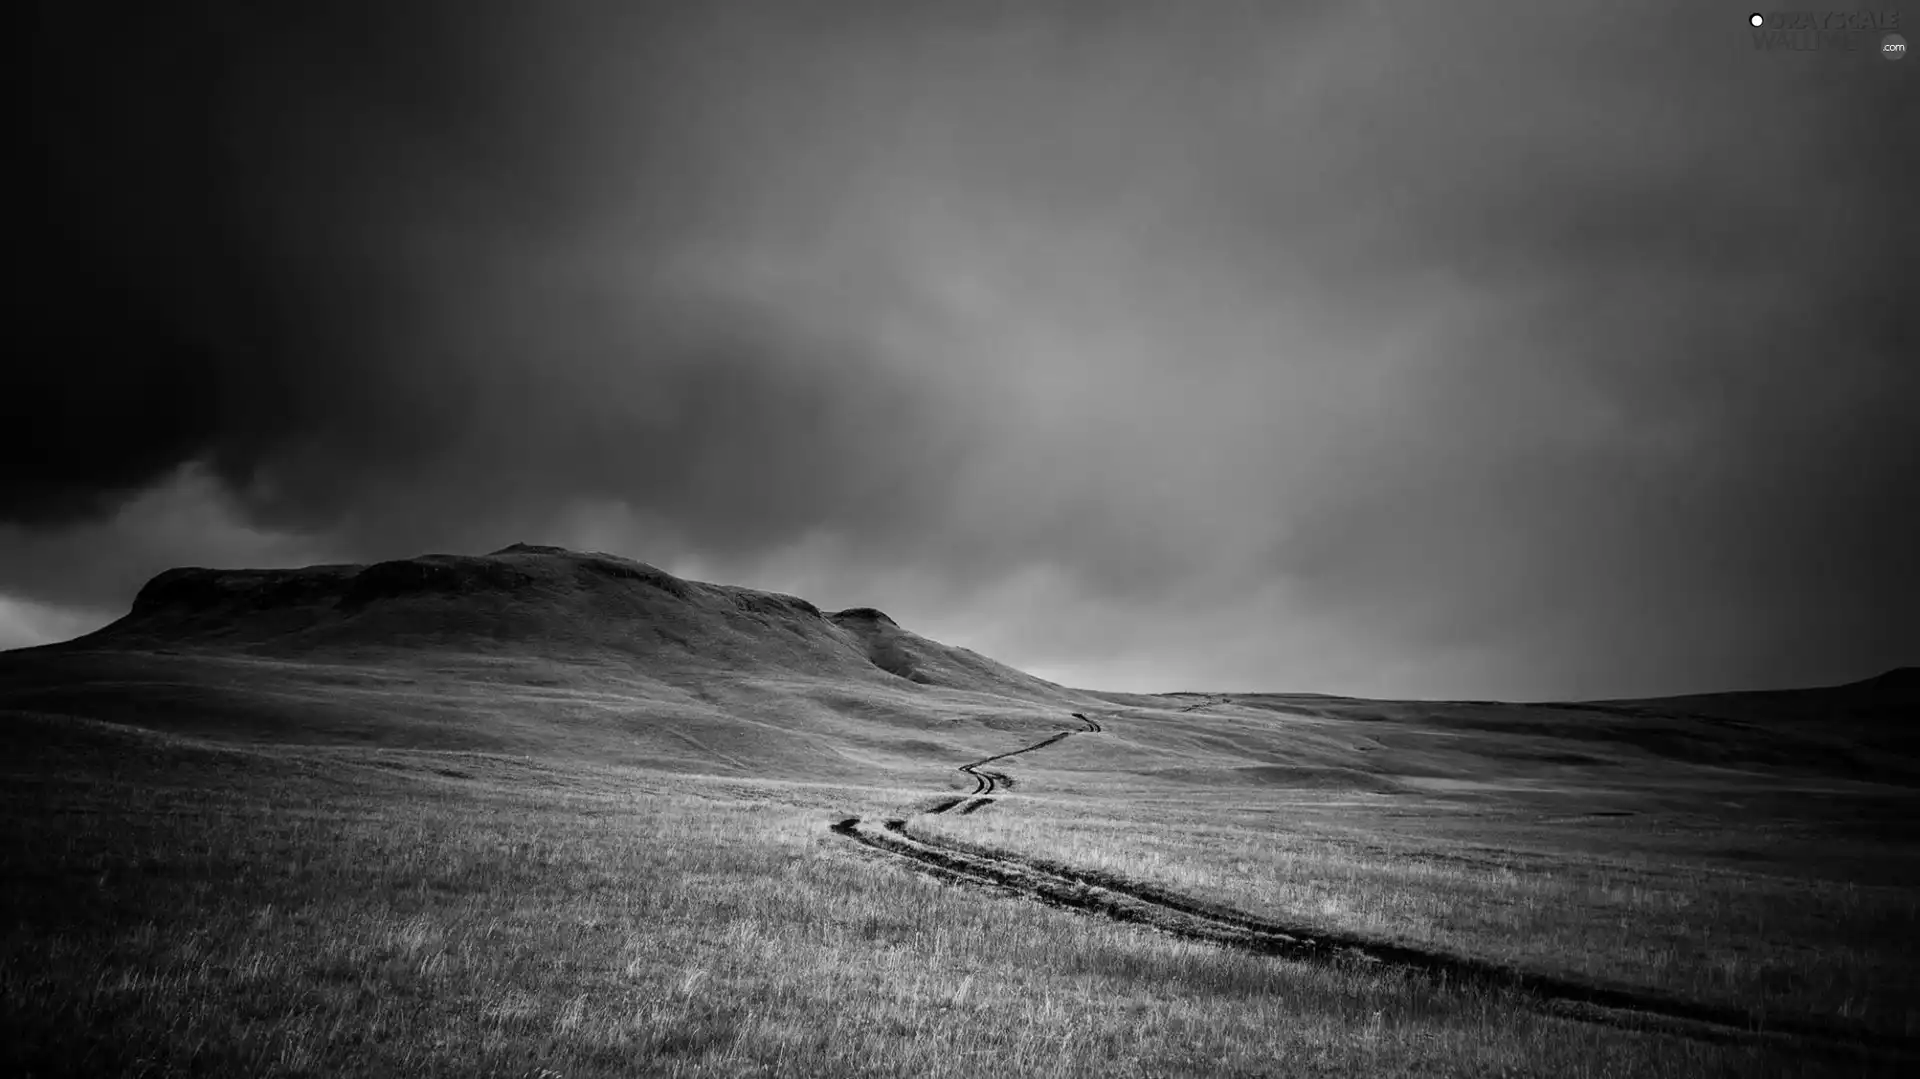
x: 1123, y: 900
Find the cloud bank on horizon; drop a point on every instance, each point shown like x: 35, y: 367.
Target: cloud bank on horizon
x: 1389, y: 349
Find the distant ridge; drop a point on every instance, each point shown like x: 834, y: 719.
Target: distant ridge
x: 1898, y: 683
x: 1897, y: 680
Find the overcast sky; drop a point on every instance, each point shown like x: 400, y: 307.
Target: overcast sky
x: 1466, y: 349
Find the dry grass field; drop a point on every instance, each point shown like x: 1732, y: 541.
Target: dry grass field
x: 1616, y: 900
x: 203, y: 910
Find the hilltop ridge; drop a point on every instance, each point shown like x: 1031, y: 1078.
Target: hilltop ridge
x: 535, y: 599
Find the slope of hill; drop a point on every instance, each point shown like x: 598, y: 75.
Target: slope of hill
x: 526, y: 600
x: 532, y: 649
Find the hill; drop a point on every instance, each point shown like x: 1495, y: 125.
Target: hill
x: 527, y: 600
x: 528, y: 649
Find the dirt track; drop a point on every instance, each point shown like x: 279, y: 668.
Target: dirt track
x: 1115, y: 897
x: 986, y: 783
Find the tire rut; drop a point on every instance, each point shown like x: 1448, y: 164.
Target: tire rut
x: 1095, y: 892
x: 986, y: 782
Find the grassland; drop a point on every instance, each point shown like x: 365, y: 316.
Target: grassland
x: 1614, y: 901
x: 183, y: 907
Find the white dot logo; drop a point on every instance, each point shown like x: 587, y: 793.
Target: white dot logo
x: 1757, y: 19
x: 1893, y: 47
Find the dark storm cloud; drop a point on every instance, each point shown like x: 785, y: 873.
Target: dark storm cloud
x: 1444, y: 349
x: 340, y: 261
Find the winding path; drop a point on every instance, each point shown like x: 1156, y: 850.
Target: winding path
x: 985, y: 782
x: 1116, y: 897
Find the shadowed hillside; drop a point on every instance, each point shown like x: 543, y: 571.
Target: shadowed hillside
x: 917, y: 659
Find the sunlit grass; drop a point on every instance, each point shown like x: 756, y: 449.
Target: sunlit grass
x: 1762, y: 940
